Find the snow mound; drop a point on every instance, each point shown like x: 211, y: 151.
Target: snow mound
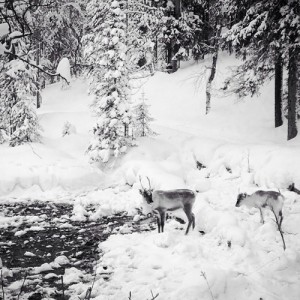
x: 63, y: 69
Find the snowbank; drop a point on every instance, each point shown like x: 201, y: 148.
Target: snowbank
x: 106, y: 202
x: 57, y: 162
x: 267, y: 166
x: 37, y: 165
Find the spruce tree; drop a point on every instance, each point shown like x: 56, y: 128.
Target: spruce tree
x: 105, y: 50
x: 18, y: 110
x: 142, y: 119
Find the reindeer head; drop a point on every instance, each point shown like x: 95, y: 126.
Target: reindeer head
x: 146, y: 193
x: 240, y: 199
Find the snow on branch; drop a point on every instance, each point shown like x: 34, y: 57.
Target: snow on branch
x: 37, y: 67
x: 64, y: 69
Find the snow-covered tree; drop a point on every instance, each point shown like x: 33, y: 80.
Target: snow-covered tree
x: 3, y: 136
x: 68, y: 129
x: 6, y: 90
x: 143, y: 29
x: 105, y: 50
x: 142, y: 119
x: 176, y: 35
x: 17, y: 102
x: 57, y: 31
x: 267, y: 37
x: 4, y: 109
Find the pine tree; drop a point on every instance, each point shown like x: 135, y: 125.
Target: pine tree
x: 18, y: 110
x: 142, y: 119
x: 176, y: 34
x: 6, y: 95
x: 105, y: 50
x: 25, y: 122
x: 4, y: 112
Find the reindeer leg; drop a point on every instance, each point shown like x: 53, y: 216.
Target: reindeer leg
x: 158, y: 219
x: 188, y: 211
x: 278, y: 219
x: 193, y: 221
x: 281, y: 218
x: 158, y: 223
x: 261, y: 216
x: 162, y: 219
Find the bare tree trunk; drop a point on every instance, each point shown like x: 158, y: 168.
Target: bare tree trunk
x: 126, y: 130
x: 177, y: 9
x: 298, y: 85
x: 38, y: 94
x: 209, y: 82
x: 292, y: 96
x: 156, y: 52
x: 278, y: 92
x: 212, y: 69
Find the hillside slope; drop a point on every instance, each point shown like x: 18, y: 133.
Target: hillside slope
x: 234, y: 131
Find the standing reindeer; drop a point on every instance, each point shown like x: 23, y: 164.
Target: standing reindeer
x: 261, y: 199
x: 162, y: 201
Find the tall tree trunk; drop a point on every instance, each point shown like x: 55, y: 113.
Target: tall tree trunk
x: 292, y: 95
x: 38, y: 94
x: 177, y: 11
x: 278, y: 91
x: 169, y: 53
x: 213, y: 68
x: 210, y: 80
x: 298, y: 85
x: 126, y: 130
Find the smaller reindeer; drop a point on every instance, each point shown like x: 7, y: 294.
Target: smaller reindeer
x: 262, y: 199
x: 162, y: 201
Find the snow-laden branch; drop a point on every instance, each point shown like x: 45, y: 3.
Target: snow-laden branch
x: 36, y: 66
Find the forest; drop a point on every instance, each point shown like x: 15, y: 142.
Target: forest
x: 114, y: 42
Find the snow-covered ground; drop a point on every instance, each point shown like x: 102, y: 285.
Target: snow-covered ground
x: 237, y: 257
x: 57, y: 162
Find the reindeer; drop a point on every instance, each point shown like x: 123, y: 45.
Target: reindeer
x: 162, y: 201
x: 261, y: 199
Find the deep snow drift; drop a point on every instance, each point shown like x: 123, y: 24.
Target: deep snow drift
x: 58, y: 161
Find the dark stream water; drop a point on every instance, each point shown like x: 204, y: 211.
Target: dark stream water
x: 44, y: 233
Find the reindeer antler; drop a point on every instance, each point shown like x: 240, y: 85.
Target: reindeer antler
x: 141, y: 182
x: 149, y: 183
